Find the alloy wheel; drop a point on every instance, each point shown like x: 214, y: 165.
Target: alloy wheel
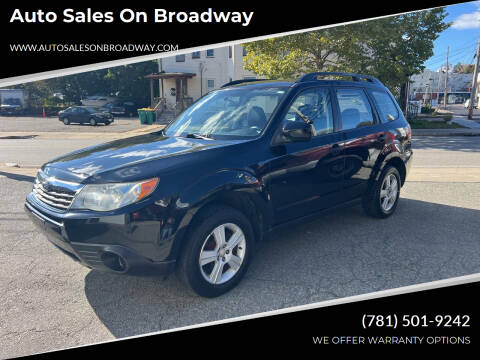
x: 389, y: 192
x: 222, y: 253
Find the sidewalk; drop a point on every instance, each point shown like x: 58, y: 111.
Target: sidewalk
x: 471, y: 124
x: 446, y: 132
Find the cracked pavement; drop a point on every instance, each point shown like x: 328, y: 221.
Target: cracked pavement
x: 50, y: 302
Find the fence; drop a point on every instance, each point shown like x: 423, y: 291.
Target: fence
x: 412, y: 110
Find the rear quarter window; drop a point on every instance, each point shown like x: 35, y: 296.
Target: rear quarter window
x: 385, y: 105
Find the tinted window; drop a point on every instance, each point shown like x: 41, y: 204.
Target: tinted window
x: 355, y: 109
x: 180, y: 58
x: 388, y: 110
x: 313, y: 105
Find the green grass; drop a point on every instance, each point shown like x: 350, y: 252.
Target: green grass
x: 424, y: 124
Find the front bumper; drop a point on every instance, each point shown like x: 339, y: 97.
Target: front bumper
x: 108, y: 244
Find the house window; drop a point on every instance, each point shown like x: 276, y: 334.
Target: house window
x: 196, y: 55
x: 211, y: 53
x: 244, y: 52
x: 229, y: 52
x: 180, y: 58
x: 210, y: 84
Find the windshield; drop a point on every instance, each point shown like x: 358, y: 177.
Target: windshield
x: 228, y: 114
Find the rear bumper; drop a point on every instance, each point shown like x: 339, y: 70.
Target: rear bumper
x: 108, y: 257
x: 408, y: 162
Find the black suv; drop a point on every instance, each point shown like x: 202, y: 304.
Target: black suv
x: 198, y: 196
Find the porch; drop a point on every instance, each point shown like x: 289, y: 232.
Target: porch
x: 173, y: 95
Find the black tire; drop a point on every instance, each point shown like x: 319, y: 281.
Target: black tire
x: 107, y: 122
x: 66, y: 121
x: 188, y: 267
x: 93, y: 122
x: 372, y: 199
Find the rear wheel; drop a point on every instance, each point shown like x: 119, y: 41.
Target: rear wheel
x: 93, y: 122
x: 382, y: 199
x: 218, y: 251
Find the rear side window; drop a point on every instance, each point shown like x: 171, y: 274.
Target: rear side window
x: 355, y: 110
x: 388, y: 110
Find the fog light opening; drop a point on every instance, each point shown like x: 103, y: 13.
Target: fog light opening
x: 115, y: 262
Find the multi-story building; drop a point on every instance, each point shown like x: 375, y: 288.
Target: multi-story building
x: 430, y: 85
x: 185, y: 78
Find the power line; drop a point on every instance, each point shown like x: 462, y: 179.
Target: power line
x: 440, y: 58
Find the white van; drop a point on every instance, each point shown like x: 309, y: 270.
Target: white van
x: 97, y: 100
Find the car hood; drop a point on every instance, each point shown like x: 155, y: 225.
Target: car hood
x: 127, y: 155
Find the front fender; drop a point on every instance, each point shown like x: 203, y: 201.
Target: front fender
x: 224, y: 185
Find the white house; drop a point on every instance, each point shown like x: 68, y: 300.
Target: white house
x: 185, y: 78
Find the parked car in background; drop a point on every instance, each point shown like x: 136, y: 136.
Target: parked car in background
x: 198, y: 196
x: 120, y: 108
x: 97, y: 100
x: 11, y: 106
x: 84, y: 114
x: 12, y: 101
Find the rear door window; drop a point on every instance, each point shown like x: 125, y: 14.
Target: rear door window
x: 355, y: 109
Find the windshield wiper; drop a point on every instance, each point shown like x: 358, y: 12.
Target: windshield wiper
x: 199, y: 136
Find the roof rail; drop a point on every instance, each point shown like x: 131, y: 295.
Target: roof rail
x: 235, y: 82
x: 356, y: 77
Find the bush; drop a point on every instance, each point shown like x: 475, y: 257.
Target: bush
x: 427, y: 109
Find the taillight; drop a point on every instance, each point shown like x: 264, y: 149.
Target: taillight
x: 409, y: 132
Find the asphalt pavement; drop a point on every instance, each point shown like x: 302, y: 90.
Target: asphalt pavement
x: 50, y: 302
x: 52, y: 124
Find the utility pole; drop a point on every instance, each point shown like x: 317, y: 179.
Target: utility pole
x: 446, y: 81
x: 473, y: 94
x: 438, y: 88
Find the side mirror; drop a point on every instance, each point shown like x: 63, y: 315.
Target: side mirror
x: 296, y: 131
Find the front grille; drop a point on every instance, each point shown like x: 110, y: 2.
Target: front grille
x: 55, y: 193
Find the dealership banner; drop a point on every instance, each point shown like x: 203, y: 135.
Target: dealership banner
x: 40, y: 38
x: 419, y: 319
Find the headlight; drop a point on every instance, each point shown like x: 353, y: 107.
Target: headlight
x: 106, y: 197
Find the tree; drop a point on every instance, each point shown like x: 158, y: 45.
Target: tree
x: 392, y: 49
x: 460, y: 68
x: 125, y: 82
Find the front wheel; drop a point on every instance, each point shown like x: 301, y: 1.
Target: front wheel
x: 218, y: 251
x: 66, y: 121
x: 93, y: 122
x: 382, y: 198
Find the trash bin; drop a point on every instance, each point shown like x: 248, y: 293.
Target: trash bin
x: 146, y: 116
